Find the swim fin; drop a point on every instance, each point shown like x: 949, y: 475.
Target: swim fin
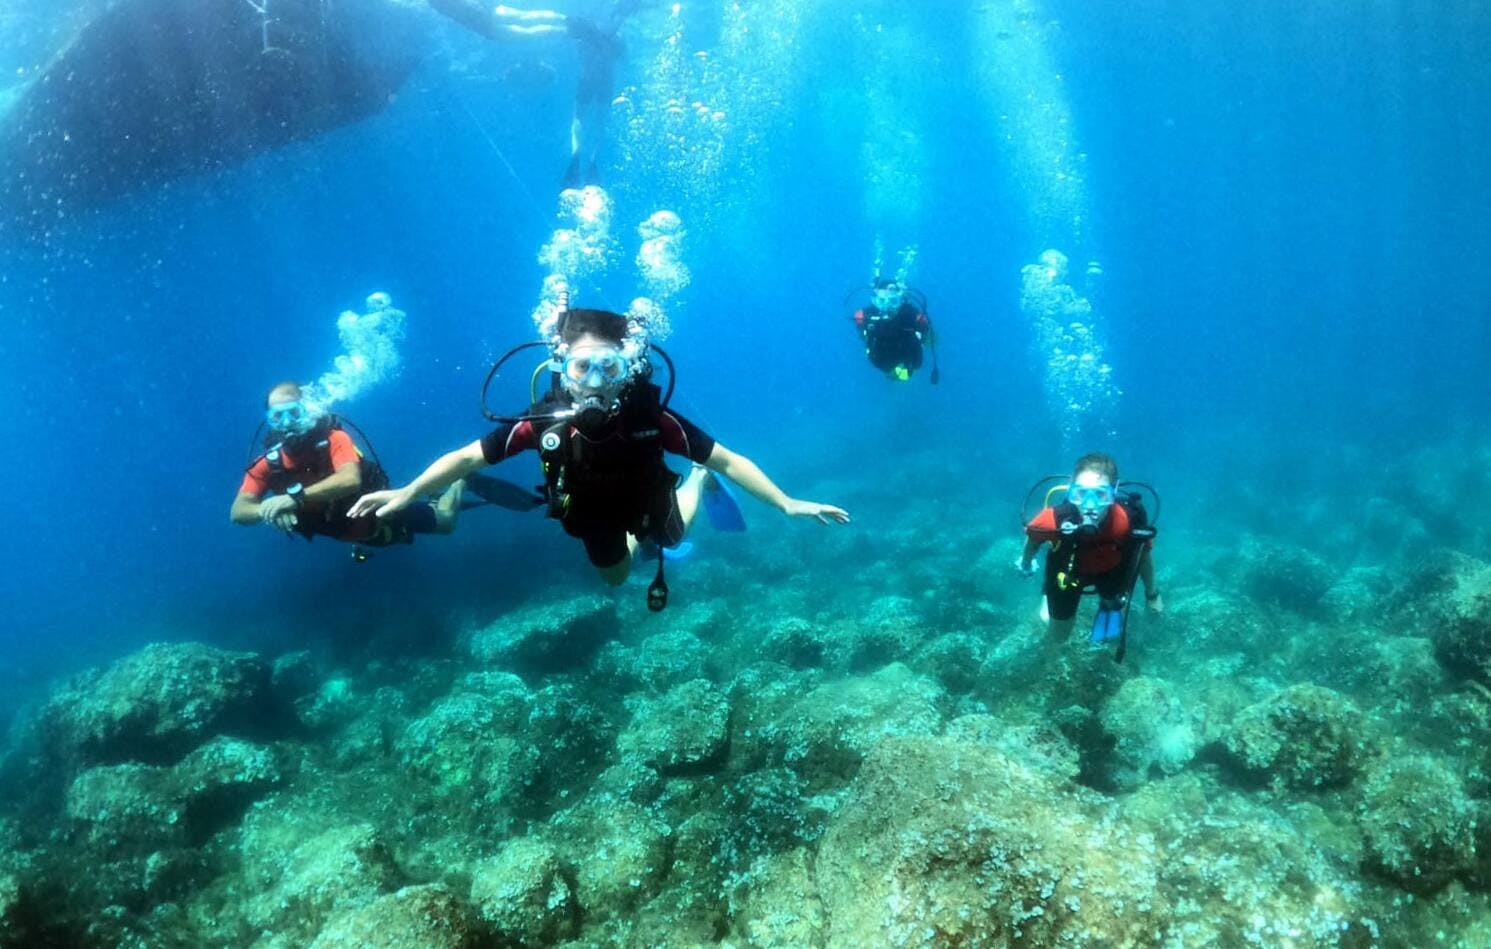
x: 502, y: 493
x: 683, y: 551
x: 720, y: 505
x: 1108, y: 625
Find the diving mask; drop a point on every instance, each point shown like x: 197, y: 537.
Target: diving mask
x: 290, y: 418
x: 1092, y: 501
x: 887, y: 299
x: 604, y: 370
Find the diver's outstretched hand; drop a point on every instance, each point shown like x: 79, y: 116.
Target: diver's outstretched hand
x: 825, y: 513
x: 381, y: 503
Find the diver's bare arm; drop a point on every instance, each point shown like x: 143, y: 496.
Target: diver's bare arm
x: 744, y: 472
x: 1146, y: 573
x: 344, y: 481
x: 447, y: 470
x: 245, y: 510
x: 1032, y: 547
x: 473, y: 16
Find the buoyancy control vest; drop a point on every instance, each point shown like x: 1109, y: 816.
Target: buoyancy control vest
x: 615, y: 474
x: 312, y: 462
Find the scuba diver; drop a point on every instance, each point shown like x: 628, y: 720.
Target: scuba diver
x: 599, y: 47
x: 601, y: 432
x: 1101, y: 538
x: 895, y: 327
x: 314, y: 471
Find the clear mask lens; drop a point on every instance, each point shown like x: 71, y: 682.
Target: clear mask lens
x: 596, y: 370
x: 289, y: 417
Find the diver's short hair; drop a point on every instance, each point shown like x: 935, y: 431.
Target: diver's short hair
x: 603, y: 323
x: 1097, y: 462
x: 290, y: 384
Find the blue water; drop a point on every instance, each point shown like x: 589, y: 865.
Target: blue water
x: 1290, y: 202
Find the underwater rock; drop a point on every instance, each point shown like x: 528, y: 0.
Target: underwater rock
x: 332, y: 705
x: 659, y: 663
x: 573, y: 736
x: 127, y: 808
x: 777, y: 905
x: 1457, y: 616
x: 133, y: 808
x: 1419, y: 825
x: 1241, y: 873
x: 10, y: 909
x: 157, y: 704
x: 827, y: 733
x: 956, y: 660
x: 300, y: 887
x: 767, y: 812
x: 416, y: 917
x: 890, y: 629
x: 683, y: 730
x: 523, y: 895
x: 1041, y: 744
x: 620, y: 853
x: 1284, y: 575
x: 795, y: 642
x: 470, y: 747
x: 553, y: 637
x: 293, y: 675
x: 942, y: 842
x: 1303, y: 737
x: 1152, y: 728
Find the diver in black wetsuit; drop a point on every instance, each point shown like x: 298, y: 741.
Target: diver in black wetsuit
x: 600, y: 48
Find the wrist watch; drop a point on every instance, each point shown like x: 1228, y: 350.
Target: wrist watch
x: 296, y: 493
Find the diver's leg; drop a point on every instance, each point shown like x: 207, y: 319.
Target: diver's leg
x: 689, y: 493
x: 448, y: 508
x: 610, y: 552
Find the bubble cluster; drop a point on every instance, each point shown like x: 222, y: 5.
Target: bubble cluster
x: 893, y: 153
x: 370, y: 341
x: 1034, y: 120
x: 697, y: 114
x: 660, y: 258
x: 1080, y: 390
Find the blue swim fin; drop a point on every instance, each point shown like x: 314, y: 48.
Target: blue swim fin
x: 1108, y: 625
x: 720, y: 505
x: 648, y: 550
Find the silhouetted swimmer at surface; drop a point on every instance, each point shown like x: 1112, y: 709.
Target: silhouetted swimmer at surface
x: 600, y: 48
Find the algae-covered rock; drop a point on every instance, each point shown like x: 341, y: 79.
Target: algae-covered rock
x: 1040, y: 745
x: 155, y: 705
x: 1458, y: 619
x: 776, y: 905
x: 661, y: 662
x: 471, y: 746
x: 522, y: 894
x: 1152, y: 729
x: 299, y: 885
x: 947, y: 843
x: 1284, y: 575
x: 620, y: 852
x: 294, y: 674
x: 416, y: 917
x: 548, y: 638
x: 10, y: 909
x: 684, y: 729
x: 1302, y: 737
x: 956, y: 660
x: 795, y: 642
x: 825, y: 734
x: 127, y: 808
x: 1419, y: 824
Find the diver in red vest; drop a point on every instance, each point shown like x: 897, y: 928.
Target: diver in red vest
x: 1101, y: 540
x: 311, y: 472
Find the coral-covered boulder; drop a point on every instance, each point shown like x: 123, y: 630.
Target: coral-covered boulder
x: 155, y: 705
x: 416, y: 917
x: 686, y: 729
x: 1152, y: 729
x: 552, y: 637
x: 777, y: 905
x: 472, y: 746
x: 824, y: 734
x: 1419, y: 824
x: 942, y: 843
x: 1302, y: 737
x: 620, y: 852
x: 523, y: 895
x: 127, y: 808
x: 1284, y: 575
x: 298, y: 884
